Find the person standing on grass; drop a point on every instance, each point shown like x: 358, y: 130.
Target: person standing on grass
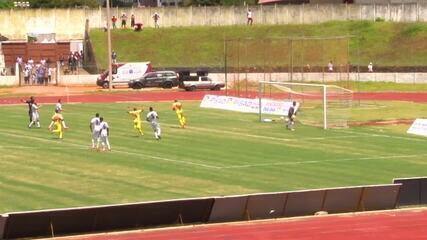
x: 114, y: 57
x: 370, y: 67
x: 249, y: 17
x: 105, y: 133
x: 330, y: 66
x: 137, y: 123
x: 124, y: 19
x: 153, y: 119
x: 132, y: 21
x: 29, y: 102
x: 35, y: 117
x: 95, y: 129
x: 177, y: 107
x: 292, y: 112
x: 113, y: 21
x: 58, y: 124
x: 156, y: 18
x: 58, y: 106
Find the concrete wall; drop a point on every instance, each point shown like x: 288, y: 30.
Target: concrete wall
x: 412, y: 78
x: 70, y: 23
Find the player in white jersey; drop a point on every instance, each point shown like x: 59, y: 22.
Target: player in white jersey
x: 153, y: 119
x: 105, y: 132
x: 35, y: 116
x: 58, y: 106
x: 95, y: 129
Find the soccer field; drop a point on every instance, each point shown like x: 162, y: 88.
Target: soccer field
x: 220, y: 153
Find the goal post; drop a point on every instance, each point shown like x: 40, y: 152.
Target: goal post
x: 322, y: 105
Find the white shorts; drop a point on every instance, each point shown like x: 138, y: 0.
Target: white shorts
x: 95, y: 135
x: 155, y: 126
x: 35, y: 116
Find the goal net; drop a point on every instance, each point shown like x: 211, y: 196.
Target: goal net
x: 326, y: 106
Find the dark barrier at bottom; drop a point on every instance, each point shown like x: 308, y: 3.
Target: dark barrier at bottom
x: 379, y: 197
x: 201, y: 210
x: 3, y: 219
x: 263, y: 206
x: 229, y: 209
x: 303, y: 203
x: 81, y: 220
x: 413, y: 191
x: 342, y: 200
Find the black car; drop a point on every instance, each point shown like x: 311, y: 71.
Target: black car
x: 164, y: 79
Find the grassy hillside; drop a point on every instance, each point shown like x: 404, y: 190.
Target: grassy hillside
x: 384, y: 43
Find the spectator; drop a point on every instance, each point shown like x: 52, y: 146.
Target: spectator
x: 124, y: 19
x: 370, y: 67
x: 40, y: 74
x: 82, y: 58
x: 114, y: 57
x: 249, y: 17
x: 19, y: 60
x: 27, y: 75
x: 61, y: 60
x: 31, y: 62
x: 43, y: 62
x: 156, y: 18
x: 49, y: 75
x: 132, y: 21
x: 114, y: 20
x: 330, y: 66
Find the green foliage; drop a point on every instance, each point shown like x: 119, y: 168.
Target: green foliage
x: 383, y: 43
x: 414, y: 30
x: 63, y: 3
x: 6, y: 4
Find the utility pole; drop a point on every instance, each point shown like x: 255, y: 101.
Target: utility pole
x: 110, y: 69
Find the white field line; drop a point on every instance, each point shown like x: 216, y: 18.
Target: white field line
x: 184, y: 162
x: 323, y: 161
x: 386, y: 136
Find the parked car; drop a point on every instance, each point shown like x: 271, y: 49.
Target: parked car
x: 164, y: 79
x: 201, y: 82
x: 123, y: 73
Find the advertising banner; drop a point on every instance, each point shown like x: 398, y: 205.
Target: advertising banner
x: 247, y: 105
x: 418, y: 127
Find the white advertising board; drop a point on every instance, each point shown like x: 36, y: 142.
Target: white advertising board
x: 247, y: 105
x: 418, y: 127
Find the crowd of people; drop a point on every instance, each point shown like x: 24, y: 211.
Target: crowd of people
x: 36, y: 72
x: 136, y: 26
x: 74, y: 61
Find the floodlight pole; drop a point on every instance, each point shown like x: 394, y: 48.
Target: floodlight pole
x: 325, y: 123
x: 110, y: 69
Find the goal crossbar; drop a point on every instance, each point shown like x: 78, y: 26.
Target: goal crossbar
x: 323, y: 88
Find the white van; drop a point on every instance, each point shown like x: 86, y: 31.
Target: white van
x: 123, y: 73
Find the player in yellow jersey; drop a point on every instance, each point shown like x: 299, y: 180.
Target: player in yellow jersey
x: 58, y: 124
x: 137, y: 123
x: 177, y: 107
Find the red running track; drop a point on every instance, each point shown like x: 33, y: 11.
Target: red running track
x: 390, y: 225
x: 198, y: 95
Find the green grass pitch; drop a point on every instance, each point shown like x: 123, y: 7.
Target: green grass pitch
x: 220, y: 153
